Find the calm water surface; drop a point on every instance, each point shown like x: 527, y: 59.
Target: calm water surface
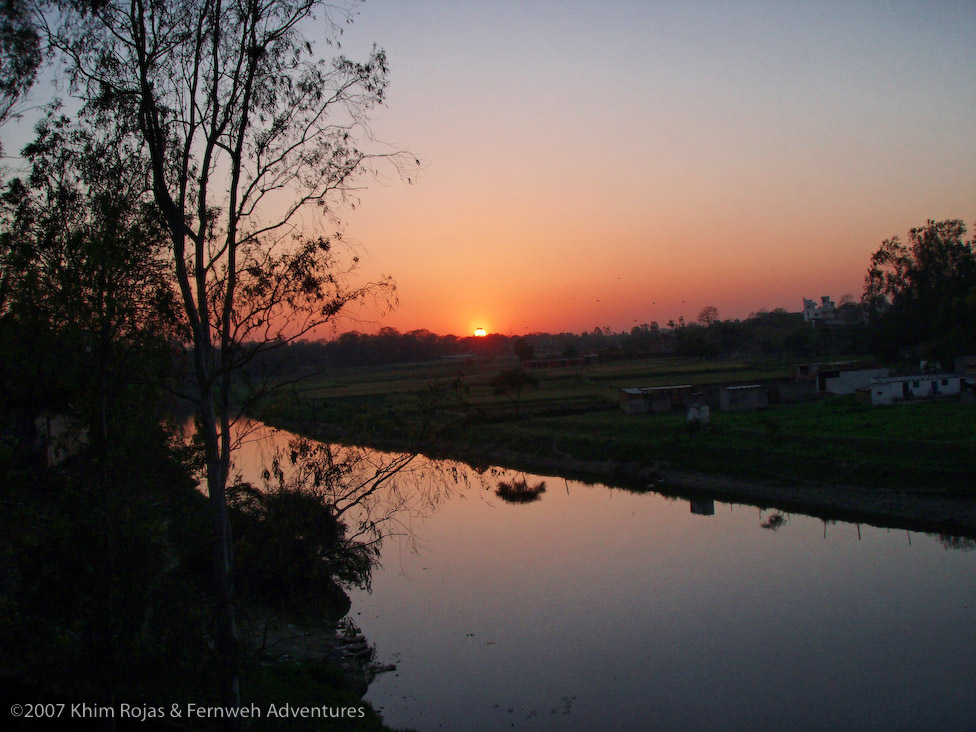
x: 594, y: 608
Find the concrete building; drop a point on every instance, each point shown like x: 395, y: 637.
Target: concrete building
x: 965, y: 367
x: 849, y: 381
x: 743, y: 398
x: 823, y: 373
x: 633, y: 401
x: 823, y: 314
x: 922, y: 386
x: 641, y: 400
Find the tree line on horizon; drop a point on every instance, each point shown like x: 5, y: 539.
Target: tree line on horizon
x: 765, y: 334
x: 918, y: 303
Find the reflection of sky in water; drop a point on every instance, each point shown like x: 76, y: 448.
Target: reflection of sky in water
x: 596, y: 608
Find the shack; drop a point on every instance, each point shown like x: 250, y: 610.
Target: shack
x: 922, y: 386
x: 835, y: 377
x: 965, y: 367
x: 633, y: 401
x: 847, y: 381
x: 641, y: 400
x: 743, y: 398
x: 666, y: 398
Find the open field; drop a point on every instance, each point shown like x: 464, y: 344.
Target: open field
x: 451, y: 407
x: 398, y: 392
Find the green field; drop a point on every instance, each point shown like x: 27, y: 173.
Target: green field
x: 450, y: 406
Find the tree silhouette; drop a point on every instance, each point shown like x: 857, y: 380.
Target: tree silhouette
x: 708, y: 315
x: 245, y: 128
x: 922, y: 296
x: 511, y: 383
x: 20, y: 56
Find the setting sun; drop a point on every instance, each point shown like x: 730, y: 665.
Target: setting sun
x: 480, y: 332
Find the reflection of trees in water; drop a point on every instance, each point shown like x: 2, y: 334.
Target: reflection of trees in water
x: 518, y: 490
x: 774, y: 521
x: 313, y: 516
x: 962, y: 543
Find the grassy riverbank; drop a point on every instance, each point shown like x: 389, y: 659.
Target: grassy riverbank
x: 923, y: 447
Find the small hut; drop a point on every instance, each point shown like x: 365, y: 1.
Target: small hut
x: 743, y: 398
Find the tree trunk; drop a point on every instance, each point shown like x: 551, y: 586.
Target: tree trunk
x: 223, y: 559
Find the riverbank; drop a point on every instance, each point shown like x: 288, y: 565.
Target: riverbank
x: 950, y: 512
x: 832, y: 457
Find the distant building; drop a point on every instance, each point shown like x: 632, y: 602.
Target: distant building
x: 920, y: 386
x: 743, y: 398
x: 641, y: 400
x: 633, y: 401
x: 965, y: 367
x: 823, y: 314
x: 703, y: 507
x: 849, y: 381
x: 837, y: 377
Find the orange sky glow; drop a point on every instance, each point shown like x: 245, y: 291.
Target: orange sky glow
x: 615, y: 164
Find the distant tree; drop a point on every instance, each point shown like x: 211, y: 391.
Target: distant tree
x: 922, y: 296
x: 511, y: 383
x: 694, y: 341
x: 523, y: 349
x: 708, y: 315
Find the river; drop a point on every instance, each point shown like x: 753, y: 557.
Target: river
x: 597, y: 608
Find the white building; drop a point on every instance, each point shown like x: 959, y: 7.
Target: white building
x: 825, y: 312
x: 847, y: 382
x: 923, y: 386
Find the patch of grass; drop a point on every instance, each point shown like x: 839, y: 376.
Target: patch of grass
x: 919, y: 446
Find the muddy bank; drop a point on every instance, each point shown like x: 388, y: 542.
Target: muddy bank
x: 887, y: 508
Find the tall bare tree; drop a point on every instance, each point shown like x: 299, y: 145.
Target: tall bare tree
x: 247, y: 131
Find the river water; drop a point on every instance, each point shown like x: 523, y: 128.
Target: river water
x: 596, y: 608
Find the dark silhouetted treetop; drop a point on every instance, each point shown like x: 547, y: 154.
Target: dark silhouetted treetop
x: 245, y: 128
x: 922, y: 295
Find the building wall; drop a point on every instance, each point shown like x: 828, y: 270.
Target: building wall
x: 738, y: 399
x: 633, y: 403
x: 918, y: 387
x: 847, y: 382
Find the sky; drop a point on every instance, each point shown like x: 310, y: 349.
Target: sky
x: 616, y: 163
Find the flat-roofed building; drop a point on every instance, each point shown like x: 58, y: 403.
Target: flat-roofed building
x: 743, y: 398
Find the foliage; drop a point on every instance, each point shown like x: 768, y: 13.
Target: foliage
x: 105, y: 581
x: 524, y: 350
x: 245, y: 128
x: 511, y: 383
x: 519, y: 491
x: 105, y: 574
x: 708, y: 315
x: 314, y: 525
x: 20, y: 56
x: 922, y: 295
x: 86, y: 307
